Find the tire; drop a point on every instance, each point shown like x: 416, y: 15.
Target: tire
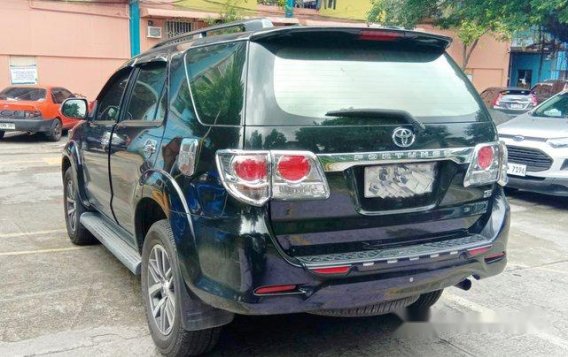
x: 54, y: 134
x: 73, y: 209
x: 425, y: 301
x: 170, y: 337
x: 1, y: 134
x: 382, y: 308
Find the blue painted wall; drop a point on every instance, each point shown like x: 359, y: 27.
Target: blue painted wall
x: 531, y: 61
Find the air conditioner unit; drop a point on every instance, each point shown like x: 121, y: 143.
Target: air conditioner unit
x: 154, y: 32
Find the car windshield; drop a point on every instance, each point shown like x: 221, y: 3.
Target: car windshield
x: 555, y: 107
x: 23, y: 93
x: 306, y: 83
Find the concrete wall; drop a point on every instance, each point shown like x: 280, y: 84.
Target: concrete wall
x: 489, y: 62
x: 77, y: 46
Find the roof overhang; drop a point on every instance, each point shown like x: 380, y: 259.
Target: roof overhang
x: 146, y: 12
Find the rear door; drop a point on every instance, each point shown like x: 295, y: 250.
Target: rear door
x: 388, y: 120
x: 98, y: 134
x: 137, y: 137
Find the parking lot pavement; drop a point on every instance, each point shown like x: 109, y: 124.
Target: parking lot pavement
x: 60, y: 300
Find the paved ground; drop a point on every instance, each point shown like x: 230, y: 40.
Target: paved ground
x: 61, y: 300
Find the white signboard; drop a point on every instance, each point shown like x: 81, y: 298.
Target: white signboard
x: 23, y: 74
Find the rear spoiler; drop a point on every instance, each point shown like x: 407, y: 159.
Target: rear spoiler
x: 357, y: 33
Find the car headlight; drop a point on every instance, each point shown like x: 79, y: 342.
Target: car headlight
x: 558, y: 143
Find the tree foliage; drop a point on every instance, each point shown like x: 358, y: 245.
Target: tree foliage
x: 474, y: 18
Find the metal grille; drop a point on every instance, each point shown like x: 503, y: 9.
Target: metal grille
x: 174, y: 28
x: 535, y: 160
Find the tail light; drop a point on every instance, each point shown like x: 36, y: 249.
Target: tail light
x: 488, y: 165
x: 32, y: 114
x: 497, y: 100
x: 534, y: 101
x: 254, y: 177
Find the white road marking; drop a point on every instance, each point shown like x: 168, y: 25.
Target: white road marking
x: 26, y: 234
x: 532, y: 330
x: 42, y: 251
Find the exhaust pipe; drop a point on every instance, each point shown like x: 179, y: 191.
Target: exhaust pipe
x: 464, y: 285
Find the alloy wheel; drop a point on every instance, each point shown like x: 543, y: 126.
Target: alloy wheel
x: 161, y: 289
x: 71, y: 205
x: 57, y: 131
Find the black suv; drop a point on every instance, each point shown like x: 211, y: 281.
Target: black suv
x: 246, y: 169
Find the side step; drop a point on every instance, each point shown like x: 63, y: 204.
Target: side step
x: 114, y: 239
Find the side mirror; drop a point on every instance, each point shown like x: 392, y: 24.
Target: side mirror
x: 75, y: 108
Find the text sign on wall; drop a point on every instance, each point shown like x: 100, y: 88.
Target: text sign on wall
x: 23, y: 74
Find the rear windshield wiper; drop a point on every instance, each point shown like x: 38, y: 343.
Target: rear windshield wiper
x: 378, y: 113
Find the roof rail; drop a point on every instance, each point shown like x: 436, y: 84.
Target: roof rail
x: 245, y: 25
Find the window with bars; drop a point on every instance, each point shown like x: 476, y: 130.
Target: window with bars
x: 174, y: 28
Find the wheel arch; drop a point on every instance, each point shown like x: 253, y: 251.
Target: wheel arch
x: 71, y: 159
x: 147, y: 212
x: 158, y: 192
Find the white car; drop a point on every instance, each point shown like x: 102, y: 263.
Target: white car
x: 538, y: 148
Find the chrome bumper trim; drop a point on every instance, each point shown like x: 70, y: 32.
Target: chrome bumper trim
x: 343, y: 161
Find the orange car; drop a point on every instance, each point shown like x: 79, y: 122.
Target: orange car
x: 34, y: 109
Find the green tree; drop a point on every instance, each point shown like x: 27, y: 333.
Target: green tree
x: 231, y: 10
x: 473, y: 19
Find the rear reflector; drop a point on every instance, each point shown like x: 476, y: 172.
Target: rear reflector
x: 344, y: 269
x: 368, y: 35
x: 494, y: 257
x: 478, y: 251
x: 275, y: 289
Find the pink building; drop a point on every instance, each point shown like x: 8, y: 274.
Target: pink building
x: 78, y: 45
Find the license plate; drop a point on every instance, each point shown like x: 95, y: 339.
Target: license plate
x: 400, y: 180
x: 7, y: 126
x: 516, y: 169
x: 516, y: 106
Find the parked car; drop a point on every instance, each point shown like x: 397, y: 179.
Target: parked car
x: 511, y: 101
x: 34, y: 109
x: 538, y: 148
x: 547, y: 89
x: 291, y: 186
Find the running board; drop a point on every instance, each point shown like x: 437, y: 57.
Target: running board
x: 113, y: 239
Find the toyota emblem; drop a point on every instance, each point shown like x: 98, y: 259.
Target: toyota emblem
x: 403, y: 137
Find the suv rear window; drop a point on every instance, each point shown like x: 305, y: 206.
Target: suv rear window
x: 22, y: 93
x: 300, y: 84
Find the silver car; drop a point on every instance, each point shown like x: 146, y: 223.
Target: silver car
x: 538, y: 148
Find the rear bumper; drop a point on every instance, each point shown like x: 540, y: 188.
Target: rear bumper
x: 29, y: 125
x: 232, y: 266
x: 511, y: 112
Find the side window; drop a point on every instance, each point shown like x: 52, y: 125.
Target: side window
x: 66, y: 93
x: 216, y: 78
x: 109, y: 100
x: 57, y: 95
x: 147, y: 94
